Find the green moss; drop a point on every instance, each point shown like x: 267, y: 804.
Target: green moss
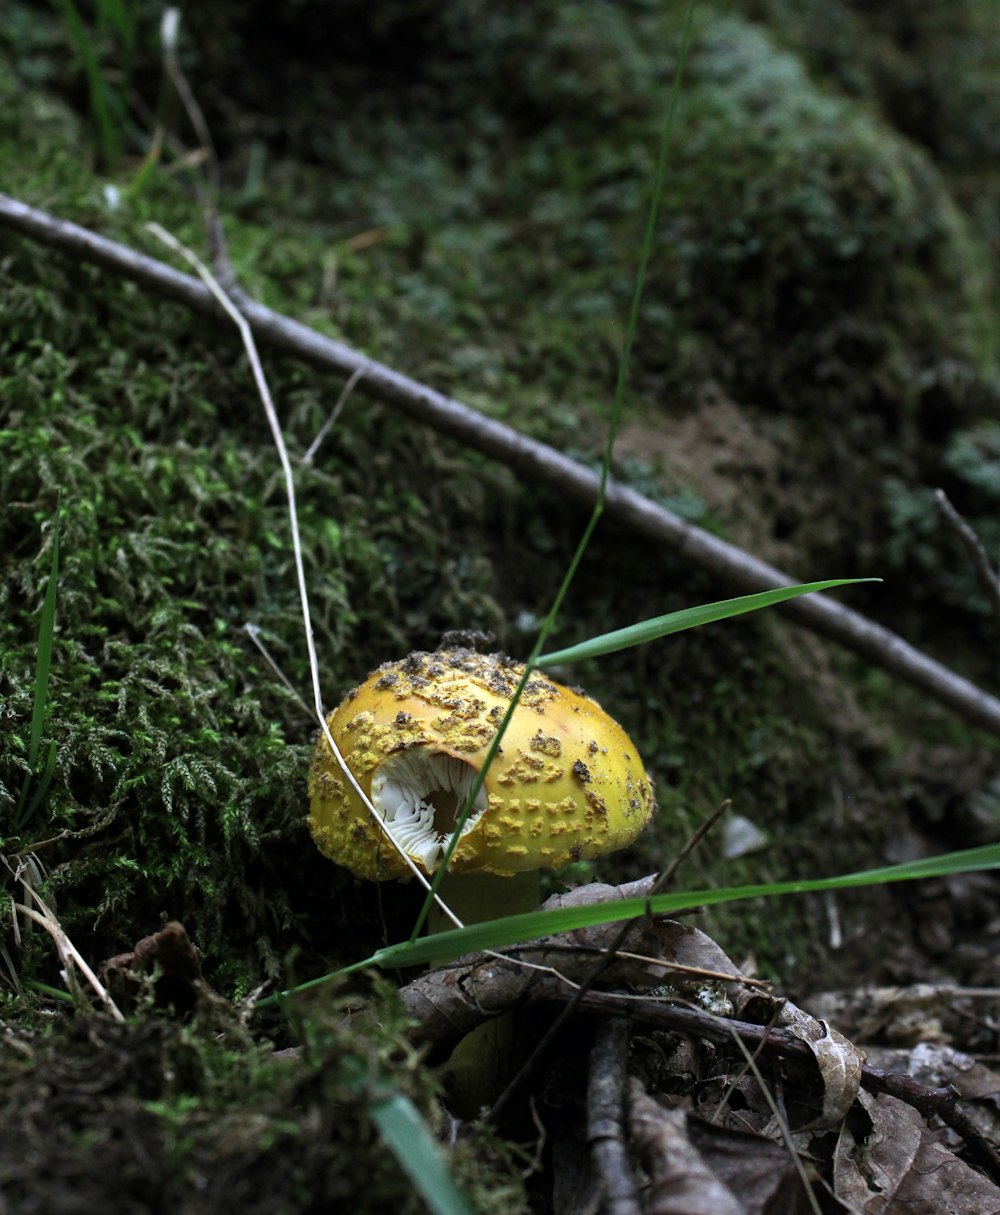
x: 171, y: 732
x: 830, y: 243
x: 205, y: 1119
x: 179, y: 788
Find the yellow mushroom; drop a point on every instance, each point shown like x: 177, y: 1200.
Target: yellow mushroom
x: 566, y: 784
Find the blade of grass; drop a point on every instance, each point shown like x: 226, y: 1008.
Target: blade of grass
x: 54, y: 993
x: 118, y: 16
x: 498, y: 934
x: 687, y: 618
x: 515, y: 930
x: 624, y: 363
x: 43, y: 665
x: 406, y: 1135
x: 102, y: 100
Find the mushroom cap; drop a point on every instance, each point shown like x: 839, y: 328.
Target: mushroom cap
x: 566, y: 784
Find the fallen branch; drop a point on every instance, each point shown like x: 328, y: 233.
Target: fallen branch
x: 533, y: 460
x: 974, y: 547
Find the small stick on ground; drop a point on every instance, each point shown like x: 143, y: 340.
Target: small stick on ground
x: 987, y: 575
x: 606, y: 1117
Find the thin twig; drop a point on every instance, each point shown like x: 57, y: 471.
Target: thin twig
x: 169, y: 29
x: 699, y: 833
x: 69, y: 955
x: 671, y: 968
x: 606, y: 1117
x: 328, y: 425
x: 985, y: 572
x: 253, y: 632
x: 534, y: 461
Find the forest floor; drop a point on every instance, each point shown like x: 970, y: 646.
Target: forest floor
x: 460, y: 195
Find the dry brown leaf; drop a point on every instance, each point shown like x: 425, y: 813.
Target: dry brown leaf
x: 901, y: 1016
x: 758, y: 1169
x: 899, y: 1168
x: 839, y: 1060
x: 680, y: 1182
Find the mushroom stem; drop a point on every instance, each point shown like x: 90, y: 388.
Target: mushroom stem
x: 482, y: 1064
x: 478, y: 897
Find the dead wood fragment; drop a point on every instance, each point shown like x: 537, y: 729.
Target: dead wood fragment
x: 606, y: 1118
x: 167, y: 960
x: 680, y: 1182
x: 529, y: 458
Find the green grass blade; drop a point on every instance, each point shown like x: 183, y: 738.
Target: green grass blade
x: 514, y: 930
x: 405, y: 1134
x: 117, y: 15
x: 624, y: 363
x: 54, y: 993
x: 46, y: 638
x: 102, y: 100
x: 688, y: 618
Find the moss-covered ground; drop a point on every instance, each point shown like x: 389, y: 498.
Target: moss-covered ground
x: 459, y: 190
